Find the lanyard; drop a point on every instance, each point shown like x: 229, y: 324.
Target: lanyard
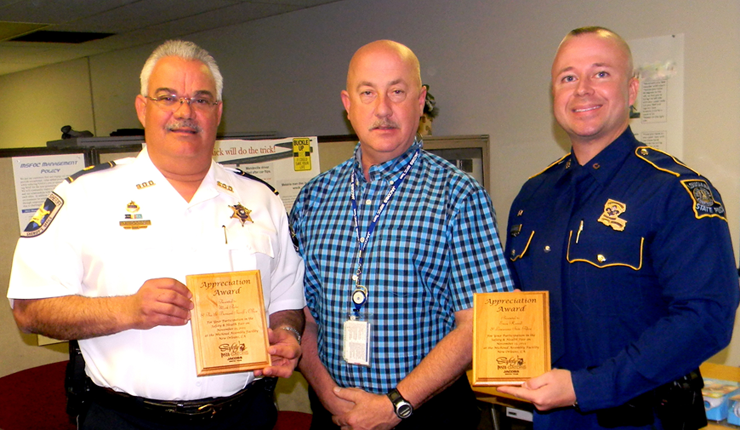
x: 363, y: 241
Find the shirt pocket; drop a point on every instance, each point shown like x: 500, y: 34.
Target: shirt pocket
x: 618, y: 249
x: 607, y: 280
x: 254, y: 249
x: 250, y: 250
x: 519, y: 242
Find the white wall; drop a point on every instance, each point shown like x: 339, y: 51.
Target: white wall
x: 37, y: 103
x: 487, y: 63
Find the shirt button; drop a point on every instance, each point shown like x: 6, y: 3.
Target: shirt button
x: 368, y: 202
x: 547, y: 248
x: 601, y: 258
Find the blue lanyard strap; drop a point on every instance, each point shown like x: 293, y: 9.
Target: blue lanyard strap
x: 363, y: 241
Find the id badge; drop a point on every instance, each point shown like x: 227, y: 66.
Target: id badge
x: 357, y: 341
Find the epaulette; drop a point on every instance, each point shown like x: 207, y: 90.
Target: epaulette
x: 91, y: 169
x: 664, y: 161
x: 553, y: 164
x: 247, y: 175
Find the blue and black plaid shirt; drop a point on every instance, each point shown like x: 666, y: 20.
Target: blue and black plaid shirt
x: 434, y: 246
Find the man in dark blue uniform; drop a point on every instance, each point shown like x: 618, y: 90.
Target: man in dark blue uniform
x: 635, y: 251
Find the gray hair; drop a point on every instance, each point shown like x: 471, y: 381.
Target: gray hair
x: 187, y: 51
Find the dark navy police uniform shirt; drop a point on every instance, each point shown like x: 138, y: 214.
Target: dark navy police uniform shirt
x: 635, y: 251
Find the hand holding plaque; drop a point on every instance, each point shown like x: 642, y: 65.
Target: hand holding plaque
x: 511, y: 337
x: 229, y: 323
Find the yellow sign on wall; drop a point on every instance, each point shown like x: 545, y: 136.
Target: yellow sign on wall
x: 301, y: 154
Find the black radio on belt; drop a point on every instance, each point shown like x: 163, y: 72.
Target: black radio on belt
x: 678, y: 405
x: 75, y: 382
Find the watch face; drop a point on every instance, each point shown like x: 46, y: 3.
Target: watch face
x: 404, y: 410
x: 358, y: 297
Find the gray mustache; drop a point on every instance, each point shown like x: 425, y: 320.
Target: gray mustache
x: 184, y: 124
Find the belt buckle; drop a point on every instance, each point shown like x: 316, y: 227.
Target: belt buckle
x: 208, y: 407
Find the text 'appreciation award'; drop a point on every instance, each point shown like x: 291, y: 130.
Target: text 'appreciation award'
x: 511, y: 337
x: 229, y: 322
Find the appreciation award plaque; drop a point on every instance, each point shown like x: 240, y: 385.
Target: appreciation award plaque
x: 511, y: 337
x: 229, y: 322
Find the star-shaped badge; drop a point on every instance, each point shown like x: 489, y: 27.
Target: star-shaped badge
x: 241, y: 213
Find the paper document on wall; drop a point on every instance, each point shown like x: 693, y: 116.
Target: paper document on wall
x: 286, y: 164
x: 36, y: 177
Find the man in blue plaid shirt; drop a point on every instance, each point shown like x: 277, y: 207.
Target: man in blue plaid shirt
x: 396, y: 241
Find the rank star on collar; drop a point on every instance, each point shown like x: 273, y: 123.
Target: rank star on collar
x: 241, y: 213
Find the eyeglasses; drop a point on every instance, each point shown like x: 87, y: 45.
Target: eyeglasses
x: 172, y: 102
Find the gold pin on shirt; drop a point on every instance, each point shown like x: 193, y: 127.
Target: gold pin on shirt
x: 241, y: 213
x: 610, y: 217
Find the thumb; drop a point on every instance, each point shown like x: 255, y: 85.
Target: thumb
x: 536, y: 383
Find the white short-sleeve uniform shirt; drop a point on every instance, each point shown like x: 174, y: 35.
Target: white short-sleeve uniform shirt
x: 89, y: 244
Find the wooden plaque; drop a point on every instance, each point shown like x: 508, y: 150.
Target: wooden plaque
x: 229, y: 322
x: 511, y: 337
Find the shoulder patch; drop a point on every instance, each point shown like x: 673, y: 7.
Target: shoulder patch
x: 91, y: 169
x: 705, y: 206
x: 553, y: 164
x: 664, y: 161
x: 247, y: 175
x: 44, y: 216
x: 294, y: 238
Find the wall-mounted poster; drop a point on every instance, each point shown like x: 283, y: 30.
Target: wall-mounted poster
x: 36, y: 177
x: 657, y: 116
x: 286, y: 164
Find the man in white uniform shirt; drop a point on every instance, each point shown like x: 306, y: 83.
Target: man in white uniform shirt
x: 105, y: 260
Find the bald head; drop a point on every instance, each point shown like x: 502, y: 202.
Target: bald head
x: 605, y: 34
x: 385, y: 48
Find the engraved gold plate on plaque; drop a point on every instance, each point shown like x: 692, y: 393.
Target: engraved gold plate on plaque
x: 511, y: 337
x: 229, y: 322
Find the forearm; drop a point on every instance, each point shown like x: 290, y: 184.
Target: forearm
x: 311, y: 366
x: 289, y: 318
x: 449, y: 359
x: 669, y: 349
x: 73, y: 317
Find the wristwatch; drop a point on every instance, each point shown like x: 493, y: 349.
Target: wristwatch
x: 294, y: 331
x: 402, y: 407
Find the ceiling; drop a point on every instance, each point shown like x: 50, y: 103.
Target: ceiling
x: 132, y: 22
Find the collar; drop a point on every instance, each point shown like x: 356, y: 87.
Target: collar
x: 208, y: 187
x: 606, y: 163
x: 391, y: 169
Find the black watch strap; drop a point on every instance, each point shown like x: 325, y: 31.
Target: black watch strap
x: 401, y: 406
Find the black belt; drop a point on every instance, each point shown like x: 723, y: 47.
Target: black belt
x: 178, y: 410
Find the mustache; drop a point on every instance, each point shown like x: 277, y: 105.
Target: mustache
x: 384, y: 123
x: 185, y: 123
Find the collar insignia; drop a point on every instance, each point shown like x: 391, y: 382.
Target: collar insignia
x: 610, y: 217
x: 225, y: 186
x: 241, y: 213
